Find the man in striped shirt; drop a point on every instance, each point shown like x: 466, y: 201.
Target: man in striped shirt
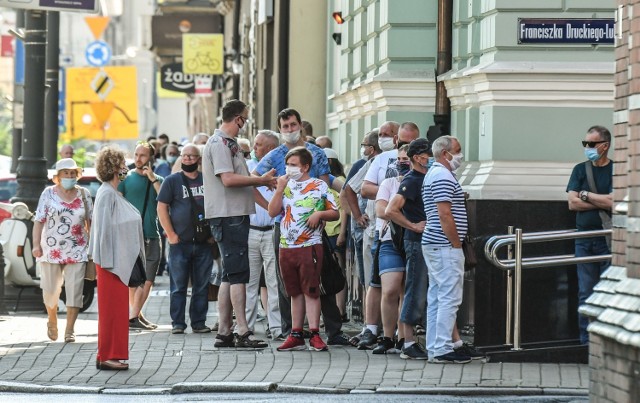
x: 443, y: 200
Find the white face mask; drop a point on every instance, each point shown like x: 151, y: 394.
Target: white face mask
x: 362, y: 153
x: 386, y: 143
x: 291, y: 138
x: 456, y: 161
x: 294, y: 173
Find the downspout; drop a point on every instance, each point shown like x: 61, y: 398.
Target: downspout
x: 236, y: 48
x: 283, y: 55
x: 442, y: 116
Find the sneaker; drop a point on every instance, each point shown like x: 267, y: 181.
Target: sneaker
x: 414, y: 352
x: 317, y: 344
x: 419, y: 331
x: 279, y: 337
x: 452, y: 358
x: 470, y: 351
x: 385, y: 344
x: 355, y: 340
x: 267, y: 333
x: 339, y: 339
x: 177, y: 330
x: 146, y: 321
x: 136, y: 324
x: 293, y: 344
x: 224, y: 341
x: 201, y: 329
x: 245, y: 342
x: 306, y: 334
x: 367, y: 340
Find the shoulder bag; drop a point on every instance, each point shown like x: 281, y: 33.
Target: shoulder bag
x: 605, y: 216
x: 332, y: 279
x: 201, y: 228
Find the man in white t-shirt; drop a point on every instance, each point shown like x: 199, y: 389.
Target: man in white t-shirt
x: 390, y: 137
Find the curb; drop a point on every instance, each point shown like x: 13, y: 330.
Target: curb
x: 270, y: 387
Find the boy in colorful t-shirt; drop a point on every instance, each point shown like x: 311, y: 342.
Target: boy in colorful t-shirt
x: 306, y: 203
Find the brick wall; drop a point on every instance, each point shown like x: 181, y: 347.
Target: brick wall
x: 614, y: 345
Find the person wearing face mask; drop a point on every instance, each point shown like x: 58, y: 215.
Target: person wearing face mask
x: 228, y: 201
x: 190, y: 258
x: 141, y: 187
x: 289, y: 124
x: 116, y: 242
x: 446, y: 227
x: 592, y: 200
x: 391, y: 264
x: 391, y: 135
x: 60, y: 239
x: 306, y: 203
x: 369, y: 149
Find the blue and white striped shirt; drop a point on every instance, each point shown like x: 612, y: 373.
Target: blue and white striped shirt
x: 441, y: 186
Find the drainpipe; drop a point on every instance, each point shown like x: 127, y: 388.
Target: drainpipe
x: 283, y: 54
x: 442, y: 117
x: 236, y: 48
x: 52, y: 73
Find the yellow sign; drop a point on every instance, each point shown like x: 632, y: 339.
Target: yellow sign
x: 113, y: 116
x: 97, y: 25
x: 203, y: 53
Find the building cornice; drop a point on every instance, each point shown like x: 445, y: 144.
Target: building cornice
x: 532, y: 84
x: 516, y: 180
x: 394, y: 90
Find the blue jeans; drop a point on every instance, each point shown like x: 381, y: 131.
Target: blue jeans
x: 189, y: 261
x: 416, y: 285
x: 589, y: 275
x: 446, y: 275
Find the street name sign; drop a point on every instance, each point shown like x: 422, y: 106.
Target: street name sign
x: 82, y: 6
x: 590, y: 31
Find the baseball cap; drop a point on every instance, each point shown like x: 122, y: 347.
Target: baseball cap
x: 331, y: 153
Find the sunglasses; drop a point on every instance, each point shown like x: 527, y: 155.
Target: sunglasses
x: 592, y: 144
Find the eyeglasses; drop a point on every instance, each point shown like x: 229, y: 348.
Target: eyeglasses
x: 592, y: 144
x: 244, y: 120
x: 190, y: 156
x: 366, y: 145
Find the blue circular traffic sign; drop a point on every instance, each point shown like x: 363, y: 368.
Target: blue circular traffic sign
x: 98, y: 53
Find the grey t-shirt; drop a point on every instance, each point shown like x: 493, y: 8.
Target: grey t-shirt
x: 221, y: 154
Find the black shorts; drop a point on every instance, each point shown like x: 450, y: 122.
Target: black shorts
x: 232, y: 235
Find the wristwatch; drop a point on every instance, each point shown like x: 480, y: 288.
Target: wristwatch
x: 584, y: 195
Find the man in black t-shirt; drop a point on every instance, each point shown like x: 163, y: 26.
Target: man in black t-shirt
x: 591, y: 207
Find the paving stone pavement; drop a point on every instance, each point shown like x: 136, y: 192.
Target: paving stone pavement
x: 159, y: 359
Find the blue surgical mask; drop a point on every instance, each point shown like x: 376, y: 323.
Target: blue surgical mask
x: 430, y: 163
x: 68, y: 183
x: 171, y: 159
x: 591, y: 154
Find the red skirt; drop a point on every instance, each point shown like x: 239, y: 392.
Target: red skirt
x: 113, y: 317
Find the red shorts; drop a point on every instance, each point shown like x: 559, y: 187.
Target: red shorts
x: 300, y: 274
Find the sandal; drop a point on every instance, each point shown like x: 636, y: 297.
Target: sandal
x: 52, y: 331
x: 69, y: 338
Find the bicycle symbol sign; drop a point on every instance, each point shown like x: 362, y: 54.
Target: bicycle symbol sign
x: 202, y: 53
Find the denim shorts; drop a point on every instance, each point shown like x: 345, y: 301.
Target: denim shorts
x: 390, y: 259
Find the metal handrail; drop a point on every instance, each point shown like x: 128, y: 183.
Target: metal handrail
x: 515, y: 241
x: 497, y: 242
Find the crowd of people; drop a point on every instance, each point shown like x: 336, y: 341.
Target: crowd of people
x: 254, y: 222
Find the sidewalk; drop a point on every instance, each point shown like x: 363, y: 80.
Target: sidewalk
x: 161, y: 362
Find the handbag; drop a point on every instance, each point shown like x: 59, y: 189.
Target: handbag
x: 605, y: 216
x: 90, y: 266
x: 332, y: 279
x: 138, y: 274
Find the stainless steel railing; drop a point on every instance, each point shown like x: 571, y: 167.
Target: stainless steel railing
x: 514, y: 266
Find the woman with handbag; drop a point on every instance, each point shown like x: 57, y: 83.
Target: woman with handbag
x: 60, y: 242
x: 117, y: 246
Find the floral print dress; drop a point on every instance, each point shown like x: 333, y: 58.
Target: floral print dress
x: 64, y: 236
